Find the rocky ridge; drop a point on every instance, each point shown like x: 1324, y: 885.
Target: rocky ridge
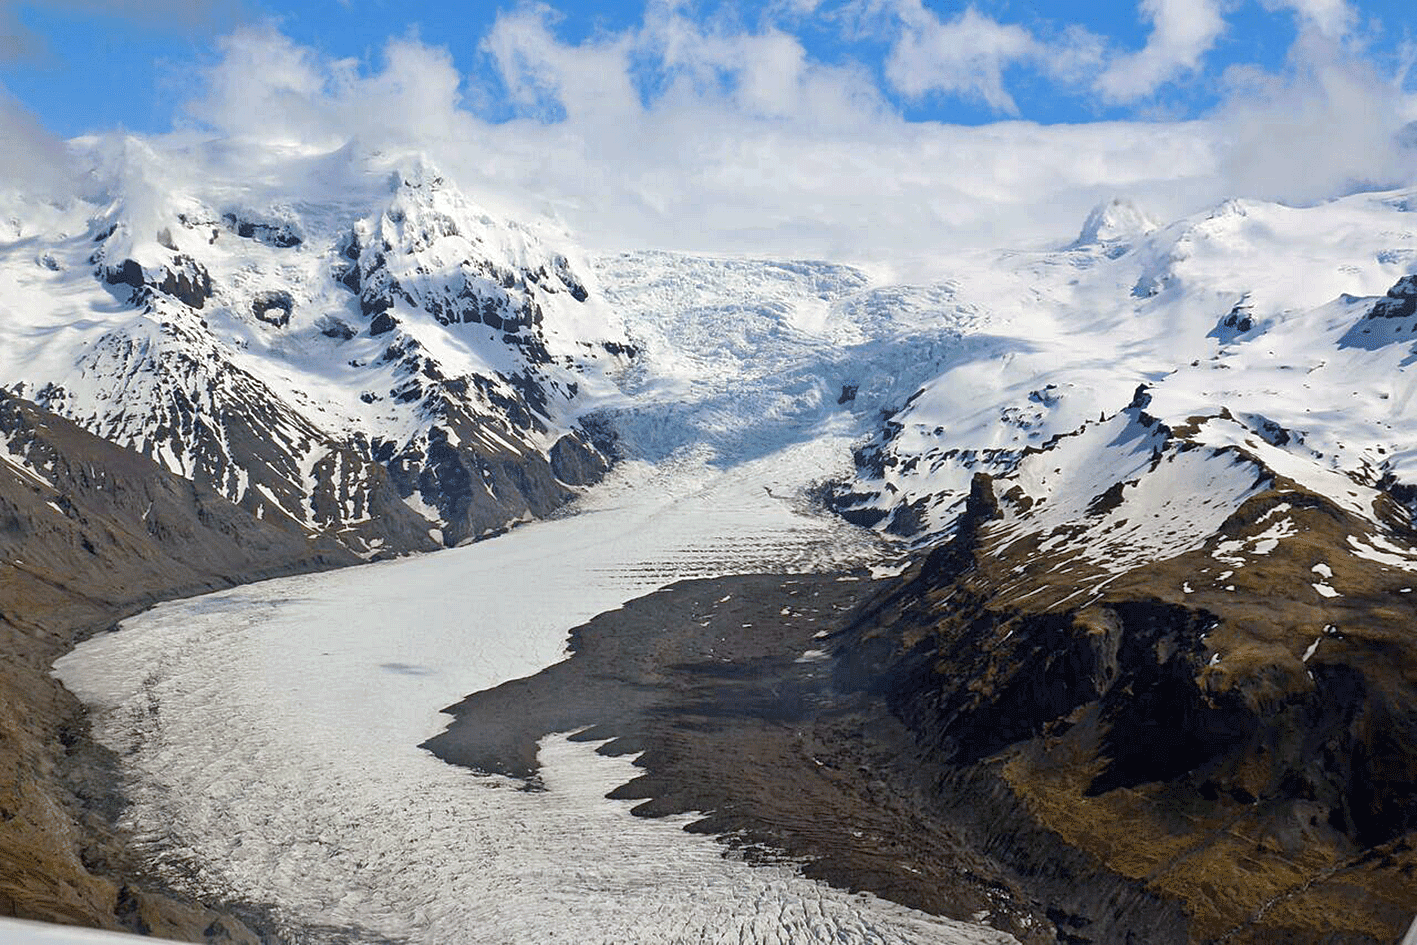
x: 1218, y: 711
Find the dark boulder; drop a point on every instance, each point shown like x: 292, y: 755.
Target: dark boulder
x: 273, y: 307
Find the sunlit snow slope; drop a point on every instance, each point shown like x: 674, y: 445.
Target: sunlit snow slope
x: 1278, y: 330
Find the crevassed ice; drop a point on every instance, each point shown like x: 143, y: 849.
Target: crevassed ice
x: 269, y: 736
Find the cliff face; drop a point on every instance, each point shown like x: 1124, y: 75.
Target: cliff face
x: 90, y: 533
x: 1229, y: 730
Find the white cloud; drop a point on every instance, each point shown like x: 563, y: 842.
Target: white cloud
x: 968, y: 55
x: 1329, y: 124
x: 540, y: 72
x: 31, y: 158
x: 1331, y: 18
x: 266, y: 85
x: 744, y: 143
x: 1182, y: 32
x: 965, y: 56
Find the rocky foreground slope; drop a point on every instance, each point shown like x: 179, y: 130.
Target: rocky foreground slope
x: 1174, y: 625
x: 1230, y: 729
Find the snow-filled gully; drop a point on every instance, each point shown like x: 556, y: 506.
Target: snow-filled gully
x: 269, y: 736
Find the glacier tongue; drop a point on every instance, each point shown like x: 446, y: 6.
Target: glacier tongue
x: 396, y: 369
x: 316, y: 800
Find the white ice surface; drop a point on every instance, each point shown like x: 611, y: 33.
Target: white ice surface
x: 17, y: 932
x: 269, y: 735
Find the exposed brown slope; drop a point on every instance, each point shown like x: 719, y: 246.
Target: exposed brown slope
x: 91, y: 533
x: 1180, y: 727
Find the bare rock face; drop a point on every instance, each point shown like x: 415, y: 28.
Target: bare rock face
x: 1400, y: 301
x: 90, y: 533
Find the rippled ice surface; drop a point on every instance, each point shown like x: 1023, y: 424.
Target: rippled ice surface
x: 269, y: 736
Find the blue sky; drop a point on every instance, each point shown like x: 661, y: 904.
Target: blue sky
x: 82, y: 66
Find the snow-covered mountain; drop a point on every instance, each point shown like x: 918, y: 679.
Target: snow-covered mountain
x: 1271, y: 330
x: 390, y: 366
x: 385, y: 362
x: 1156, y: 483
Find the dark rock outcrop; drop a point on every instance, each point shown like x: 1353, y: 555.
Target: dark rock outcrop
x: 187, y: 281
x: 576, y: 463
x: 1400, y: 301
x: 279, y: 235
x: 184, y: 279
x: 480, y: 487
x: 273, y: 307
x: 336, y: 328
x: 382, y: 323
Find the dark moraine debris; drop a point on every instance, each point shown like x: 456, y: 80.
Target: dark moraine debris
x: 727, y: 688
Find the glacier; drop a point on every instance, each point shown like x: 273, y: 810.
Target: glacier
x: 269, y: 734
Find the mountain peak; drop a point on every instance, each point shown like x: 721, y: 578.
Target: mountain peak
x: 1115, y: 221
x: 417, y: 173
